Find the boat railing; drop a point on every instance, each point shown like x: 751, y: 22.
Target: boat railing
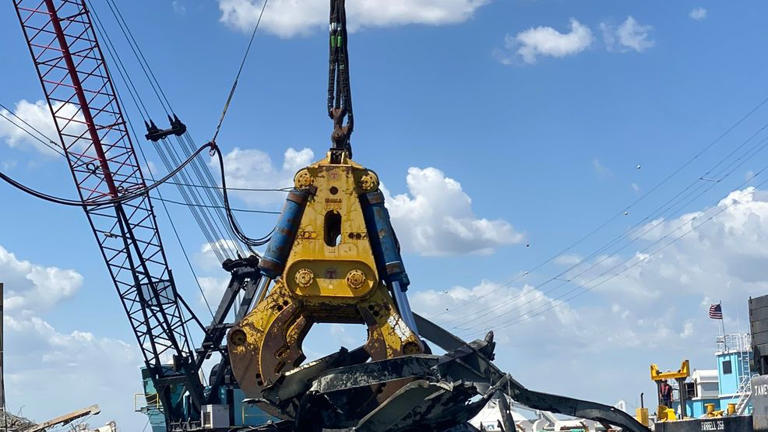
x: 745, y: 394
x: 741, y: 342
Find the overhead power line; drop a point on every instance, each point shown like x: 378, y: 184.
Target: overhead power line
x: 727, y: 165
x: 41, y: 138
x: 232, y: 189
x: 594, y: 283
x: 267, y: 212
x: 586, y: 285
x: 641, y: 228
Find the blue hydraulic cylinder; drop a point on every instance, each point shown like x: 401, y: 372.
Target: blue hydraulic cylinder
x: 386, y: 249
x: 386, y: 252
x: 279, y: 248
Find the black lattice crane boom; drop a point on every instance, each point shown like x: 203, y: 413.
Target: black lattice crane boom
x: 95, y: 139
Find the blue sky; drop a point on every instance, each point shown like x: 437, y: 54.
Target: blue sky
x: 504, y: 131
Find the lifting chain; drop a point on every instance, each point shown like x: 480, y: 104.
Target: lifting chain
x: 339, y: 93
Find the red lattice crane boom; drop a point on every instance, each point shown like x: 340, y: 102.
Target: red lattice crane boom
x: 95, y: 139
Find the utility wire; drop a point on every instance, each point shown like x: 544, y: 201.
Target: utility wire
x: 657, y: 216
x: 267, y: 212
x: 584, y: 285
x: 565, y: 277
x: 585, y: 289
x: 50, y: 143
x: 625, y: 209
x: 233, y: 189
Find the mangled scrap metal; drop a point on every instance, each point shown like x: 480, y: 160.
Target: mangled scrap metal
x: 334, y: 258
x: 433, y: 392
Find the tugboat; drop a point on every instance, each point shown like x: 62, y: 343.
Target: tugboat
x: 733, y: 397
x: 725, y: 390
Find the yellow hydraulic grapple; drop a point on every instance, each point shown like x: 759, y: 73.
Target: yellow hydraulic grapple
x: 333, y: 259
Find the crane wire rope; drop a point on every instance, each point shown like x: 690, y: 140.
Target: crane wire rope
x: 625, y: 209
x: 211, y: 232
x: 249, y: 242
x: 200, y: 170
x: 231, y: 95
x: 139, y: 105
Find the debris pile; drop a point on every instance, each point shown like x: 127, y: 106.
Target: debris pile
x: 14, y: 423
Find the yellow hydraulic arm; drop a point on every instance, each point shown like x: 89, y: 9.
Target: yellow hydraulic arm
x: 683, y: 373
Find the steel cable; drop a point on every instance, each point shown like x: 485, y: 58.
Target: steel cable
x: 196, y: 212
x: 200, y: 170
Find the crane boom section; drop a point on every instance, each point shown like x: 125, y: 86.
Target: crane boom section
x: 95, y: 139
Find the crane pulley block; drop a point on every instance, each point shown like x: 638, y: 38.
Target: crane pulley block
x: 156, y: 134
x: 335, y: 260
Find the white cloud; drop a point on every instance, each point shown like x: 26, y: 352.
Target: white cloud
x: 33, y: 287
x: 719, y: 257
x: 43, y: 362
x: 254, y: 169
x: 435, y: 217
x: 546, y: 41
x: 213, y: 289
x: 179, y: 7
x: 532, y: 312
x: 288, y: 18
x: 628, y: 36
x: 36, y: 114
x: 491, y: 297
x: 698, y: 14
x: 662, y: 302
x: 568, y: 260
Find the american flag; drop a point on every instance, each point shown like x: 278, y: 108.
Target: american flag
x: 716, y: 311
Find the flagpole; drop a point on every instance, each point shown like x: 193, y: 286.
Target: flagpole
x: 722, y: 323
